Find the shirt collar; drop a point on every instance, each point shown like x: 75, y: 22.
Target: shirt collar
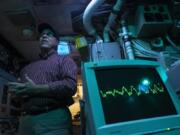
x: 46, y: 55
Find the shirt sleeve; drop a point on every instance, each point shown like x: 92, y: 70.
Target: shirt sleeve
x: 68, y: 84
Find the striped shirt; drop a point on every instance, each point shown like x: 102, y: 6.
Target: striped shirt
x: 58, y: 72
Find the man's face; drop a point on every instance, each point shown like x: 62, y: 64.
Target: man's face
x: 47, y: 39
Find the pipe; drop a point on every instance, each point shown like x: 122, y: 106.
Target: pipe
x: 92, y: 6
x: 111, y: 20
x: 127, y: 41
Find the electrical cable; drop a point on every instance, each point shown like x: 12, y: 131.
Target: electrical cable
x: 142, y: 49
x: 172, y: 43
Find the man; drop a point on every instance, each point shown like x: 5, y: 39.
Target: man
x: 47, y: 89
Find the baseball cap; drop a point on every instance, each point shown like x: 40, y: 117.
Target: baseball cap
x: 43, y: 26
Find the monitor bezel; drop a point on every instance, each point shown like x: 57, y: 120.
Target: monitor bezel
x: 95, y: 106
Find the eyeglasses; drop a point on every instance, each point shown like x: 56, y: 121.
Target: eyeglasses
x: 49, y: 34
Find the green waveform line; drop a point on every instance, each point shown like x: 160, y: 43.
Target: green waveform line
x: 155, y: 89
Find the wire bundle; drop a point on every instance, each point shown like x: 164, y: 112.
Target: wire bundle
x: 143, y: 49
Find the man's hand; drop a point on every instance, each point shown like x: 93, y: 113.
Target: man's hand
x: 22, y: 88
x: 28, y: 88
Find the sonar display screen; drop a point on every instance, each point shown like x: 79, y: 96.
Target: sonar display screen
x: 132, y: 93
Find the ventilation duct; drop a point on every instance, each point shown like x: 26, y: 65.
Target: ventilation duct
x: 46, y: 2
x: 21, y: 17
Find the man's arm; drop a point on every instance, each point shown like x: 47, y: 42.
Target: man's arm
x: 66, y: 86
x: 60, y: 88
